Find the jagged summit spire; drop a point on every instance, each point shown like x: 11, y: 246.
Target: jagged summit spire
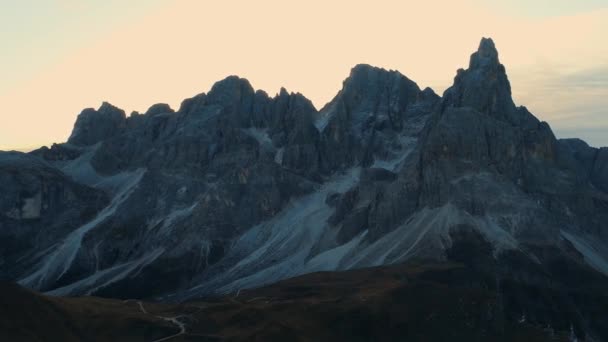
x: 486, y: 54
x: 484, y: 86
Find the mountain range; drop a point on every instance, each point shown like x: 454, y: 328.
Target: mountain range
x: 237, y: 190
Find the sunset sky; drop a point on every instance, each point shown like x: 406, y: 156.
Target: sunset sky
x: 60, y: 56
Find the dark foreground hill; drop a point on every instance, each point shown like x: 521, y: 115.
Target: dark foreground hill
x: 31, y: 317
x: 447, y: 302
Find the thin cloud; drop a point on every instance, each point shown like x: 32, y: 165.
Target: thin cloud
x: 575, y: 103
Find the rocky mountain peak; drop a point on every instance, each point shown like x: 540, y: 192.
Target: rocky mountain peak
x: 367, y: 85
x: 93, y: 125
x: 159, y: 108
x: 109, y: 109
x: 230, y: 90
x: 283, y: 92
x: 484, y: 86
x: 365, y: 69
x: 367, y: 77
x: 291, y: 101
x: 486, y: 55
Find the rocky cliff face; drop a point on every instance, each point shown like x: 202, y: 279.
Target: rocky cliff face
x: 93, y: 126
x: 238, y: 189
x: 39, y: 206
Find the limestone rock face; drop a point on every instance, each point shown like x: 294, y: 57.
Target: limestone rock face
x: 599, y: 173
x: 93, y: 126
x: 373, y: 107
x: 39, y: 205
x: 484, y: 86
x: 159, y: 108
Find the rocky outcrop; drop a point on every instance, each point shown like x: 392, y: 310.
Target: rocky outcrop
x: 39, y: 205
x: 373, y: 106
x: 599, y: 173
x: 159, y: 108
x: 93, y: 126
x: 58, y: 152
x: 589, y: 164
x: 484, y: 86
x: 479, y: 123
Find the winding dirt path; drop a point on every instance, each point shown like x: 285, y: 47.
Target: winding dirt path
x: 174, y: 320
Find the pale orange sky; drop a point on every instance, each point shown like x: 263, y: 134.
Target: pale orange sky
x: 557, y: 63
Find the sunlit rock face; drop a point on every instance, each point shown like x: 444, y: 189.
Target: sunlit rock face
x: 237, y: 188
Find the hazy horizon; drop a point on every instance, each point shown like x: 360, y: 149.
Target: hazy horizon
x: 65, y: 55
